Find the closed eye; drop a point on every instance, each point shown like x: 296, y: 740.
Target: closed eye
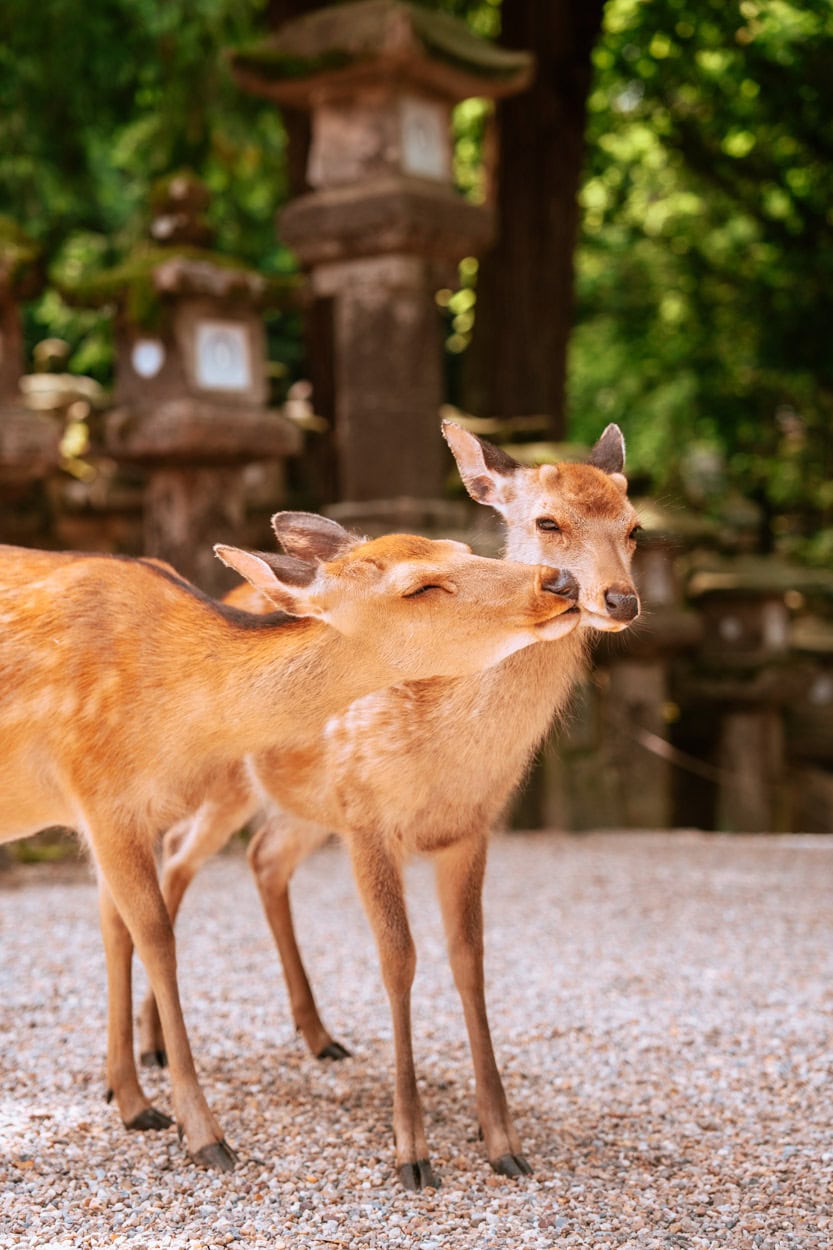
x: 423, y: 590
x: 548, y: 525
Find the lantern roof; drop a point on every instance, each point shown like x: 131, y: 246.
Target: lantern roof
x: 352, y: 45
x: 141, y: 282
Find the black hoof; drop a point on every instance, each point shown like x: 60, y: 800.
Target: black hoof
x: 148, y: 1120
x: 154, y: 1059
x: 419, y: 1175
x: 334, y: 1050
x: 219, y: 1156
x: 511, y: 1165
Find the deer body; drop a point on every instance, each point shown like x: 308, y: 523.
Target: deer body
x: 429, y: 767
x: 436, y: 759
x: 124, y: 693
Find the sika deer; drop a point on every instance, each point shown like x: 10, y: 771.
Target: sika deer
x: 123, y: 691
x: 429, y: 767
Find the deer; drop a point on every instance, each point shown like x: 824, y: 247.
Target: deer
x: 427, y: 767
x: 124, y: 690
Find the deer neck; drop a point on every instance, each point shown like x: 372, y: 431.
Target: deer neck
x: 286, y: 683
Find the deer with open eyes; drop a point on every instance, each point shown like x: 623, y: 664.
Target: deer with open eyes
x: 428, y: 767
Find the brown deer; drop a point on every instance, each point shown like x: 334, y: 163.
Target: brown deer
x: 124, y: 691
x: 428, y: 767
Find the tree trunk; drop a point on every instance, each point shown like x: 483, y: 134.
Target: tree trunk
x: 516, y: 363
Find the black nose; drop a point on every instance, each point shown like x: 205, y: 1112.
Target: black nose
x: 622, y: 605
x: 561, y: 582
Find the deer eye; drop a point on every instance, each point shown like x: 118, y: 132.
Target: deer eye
x: 422, y: 590
x: 548, y: 525
x: 635, y: 532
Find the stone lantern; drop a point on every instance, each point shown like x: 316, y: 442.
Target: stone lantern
x: 190, y: 399
x: 383, y: 226
x: 29, y: 441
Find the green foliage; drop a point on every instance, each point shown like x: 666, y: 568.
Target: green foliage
x: 99, y: 102
x: 705, y: 272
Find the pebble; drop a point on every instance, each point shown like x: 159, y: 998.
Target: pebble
x: 661, y: 1008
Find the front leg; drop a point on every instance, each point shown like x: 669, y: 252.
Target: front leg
x: 380, y: 884
x: 274, y: 853
x: 185, y: 848
x: 460, y: 870
x: 122, y: 1079
x: 126, y: 866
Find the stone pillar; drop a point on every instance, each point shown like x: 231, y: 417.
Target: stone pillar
x: 746, y: 670
x: 388, y: 377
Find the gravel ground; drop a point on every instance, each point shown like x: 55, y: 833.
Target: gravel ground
x: 661, y: 1006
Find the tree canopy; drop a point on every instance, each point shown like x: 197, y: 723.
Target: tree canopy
x: 705, y: 297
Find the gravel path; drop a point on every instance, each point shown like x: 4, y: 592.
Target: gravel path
x: 661, y: 1006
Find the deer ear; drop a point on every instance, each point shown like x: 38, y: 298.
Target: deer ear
x: 609, y: 452
x: 283, y: 580
x: 484, y: 468
x: 312, y: 537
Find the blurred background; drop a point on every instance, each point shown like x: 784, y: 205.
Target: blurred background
x: 251, y: 252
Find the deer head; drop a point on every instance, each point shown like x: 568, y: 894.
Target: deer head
x: 575, y: 517
x: 417, y: 603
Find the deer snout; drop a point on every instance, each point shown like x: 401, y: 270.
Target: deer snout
x: 622, y: 605
x: 560, y: 582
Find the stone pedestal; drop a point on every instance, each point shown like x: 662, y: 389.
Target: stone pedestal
x: 383, y: 227
x: 746, y: 671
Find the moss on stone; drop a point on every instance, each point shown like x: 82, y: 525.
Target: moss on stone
x: 309, y: 46
x: 131, y: 284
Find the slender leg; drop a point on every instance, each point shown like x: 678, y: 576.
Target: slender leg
x: 274, y: 853
x: 127, y: 867
x: 380, y: 883
x: 185, y: 848
x: 122, y: 1079
x: 460, y: 871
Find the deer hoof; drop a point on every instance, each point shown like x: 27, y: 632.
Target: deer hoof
x: 219, y: 1156
x: 419, y: 1175
x: 511, y: 1165
x: 148, y: 1120
x: 334, y: 1050
x: 154, y: 1059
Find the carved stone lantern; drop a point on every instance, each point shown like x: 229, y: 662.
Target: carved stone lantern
x: 383, y: 226
x: 29, y: 441
x: 190, y: 388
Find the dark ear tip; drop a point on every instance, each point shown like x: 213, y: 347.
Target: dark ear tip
x: 609, y: 452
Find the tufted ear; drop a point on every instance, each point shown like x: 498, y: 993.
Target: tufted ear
x: 312, y: 537
x: 609, y: 452
x: 484, y: 468
x: 284, y: 580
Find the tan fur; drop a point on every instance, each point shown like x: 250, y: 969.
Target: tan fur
x: 426, y: 767
x: 124, y: 693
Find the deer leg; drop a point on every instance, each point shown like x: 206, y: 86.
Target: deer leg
x: 122, y: 1079
x: 460, y: 870
x: 127, y: 867
x: 274, y: 853
x: 380, y: 884
x: 185, y: 848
